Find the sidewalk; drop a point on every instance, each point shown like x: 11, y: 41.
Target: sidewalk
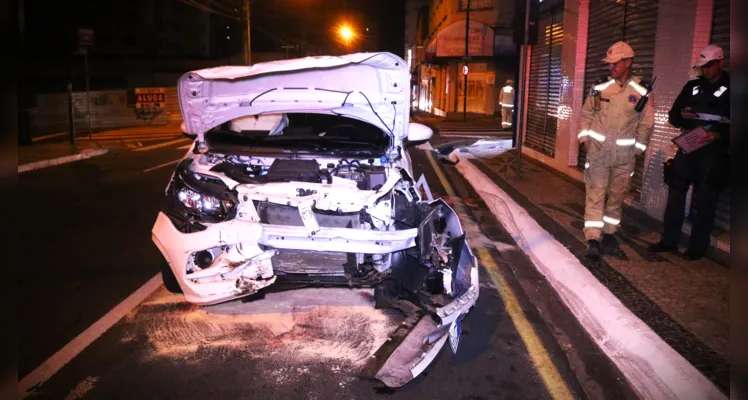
x: 685, y: 302
x: 456, y: 119
x: 56, y: 149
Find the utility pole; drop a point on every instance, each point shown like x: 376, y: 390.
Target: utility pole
x: 248, y: 36
x: 88, y: 92
x: 24, y: 137
x: 467, y: 56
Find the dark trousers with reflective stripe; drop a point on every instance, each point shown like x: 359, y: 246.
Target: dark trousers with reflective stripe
x: 687, y: 171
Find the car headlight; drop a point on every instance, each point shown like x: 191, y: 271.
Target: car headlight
x: 193, y: 199
x: 203, y: 203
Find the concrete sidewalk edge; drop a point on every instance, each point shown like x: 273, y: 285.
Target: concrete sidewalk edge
x: 577, y: 176
x: 652, y: 367
x: 84, y: 154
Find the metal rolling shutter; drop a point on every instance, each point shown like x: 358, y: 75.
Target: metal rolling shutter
x: 721, y: 28
x: 545, y: 84
x: 635, y: 22
x: 721, y: 37
x: 605, y: 28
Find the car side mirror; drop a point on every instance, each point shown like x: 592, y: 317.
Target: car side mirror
x: 418, y: 133
x: 183, y: 128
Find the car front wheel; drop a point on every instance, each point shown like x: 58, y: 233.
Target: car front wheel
x: 170, y: 281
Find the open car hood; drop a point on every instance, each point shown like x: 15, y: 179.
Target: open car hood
x: 372, y: 87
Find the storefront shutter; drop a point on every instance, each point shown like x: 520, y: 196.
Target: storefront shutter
x: 721, y: 37
x: 634, y: 22
x: 545, y: 83
x: 605, y: 28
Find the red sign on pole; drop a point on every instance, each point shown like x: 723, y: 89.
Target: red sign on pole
x: 85, y: 37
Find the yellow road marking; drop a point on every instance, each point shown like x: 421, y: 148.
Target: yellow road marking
x: 440, y: 175
x: 541, y: 360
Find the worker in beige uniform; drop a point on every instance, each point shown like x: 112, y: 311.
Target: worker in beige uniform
x: 506, y: 102
x: 616, y: 121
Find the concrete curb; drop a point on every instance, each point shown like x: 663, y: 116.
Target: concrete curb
x: 652, y: 368
x: 84, y: 154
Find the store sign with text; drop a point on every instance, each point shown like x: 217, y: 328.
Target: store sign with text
x: 450, y: 41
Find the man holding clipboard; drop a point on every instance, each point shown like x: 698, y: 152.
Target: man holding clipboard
x: 702, y: 112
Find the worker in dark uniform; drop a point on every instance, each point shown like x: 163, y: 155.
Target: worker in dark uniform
x: 704, y: 101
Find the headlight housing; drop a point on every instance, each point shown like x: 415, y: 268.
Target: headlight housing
x: 203, y: 203
x: 193, y: 199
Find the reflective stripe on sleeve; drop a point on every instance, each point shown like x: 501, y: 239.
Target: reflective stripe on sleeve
x: 625, y: 142
x: 611, y: 221
x: 592, y: 134
x: 641, y: 146
x: 719, y: 91
x: 605, y: 85
x: 594, y: 224
x: 639, y: 88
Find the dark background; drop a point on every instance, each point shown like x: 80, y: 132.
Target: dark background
x: 167, y: 36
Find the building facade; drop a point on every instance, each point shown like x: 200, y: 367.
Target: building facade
x: 573, y: 36
x: 435, y: 45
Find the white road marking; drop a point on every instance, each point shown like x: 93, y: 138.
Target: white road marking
x: 36, y: 139
x: 84, y: 387
x: 53, y: 364
x: 156, y: 146
x: 166, y: 164
x: 185, y: 147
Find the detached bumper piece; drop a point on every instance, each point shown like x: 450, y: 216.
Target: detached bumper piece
x: 442, y: 250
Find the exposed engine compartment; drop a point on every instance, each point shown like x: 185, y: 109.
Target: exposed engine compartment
x: 366, y: 174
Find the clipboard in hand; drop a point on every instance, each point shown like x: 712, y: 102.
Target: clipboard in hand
x: 692, y: 140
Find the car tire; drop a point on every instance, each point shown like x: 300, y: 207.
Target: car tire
x: 170, y: 281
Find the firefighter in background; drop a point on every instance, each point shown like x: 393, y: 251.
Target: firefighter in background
x: 506, y: 102
x: 704, y: 101
x: 616, y: 121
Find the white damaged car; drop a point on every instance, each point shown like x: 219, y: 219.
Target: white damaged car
x: 299, y: 172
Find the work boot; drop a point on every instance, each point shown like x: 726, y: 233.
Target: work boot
x: 610, y: 244
x: 593, y: 250
x: 689, y: 255
x: 661, y: 247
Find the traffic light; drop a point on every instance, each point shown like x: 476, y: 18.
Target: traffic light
x: 518, y: 22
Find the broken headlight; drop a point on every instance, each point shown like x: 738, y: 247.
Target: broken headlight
x: 203, y: 203
x: 193, y: 199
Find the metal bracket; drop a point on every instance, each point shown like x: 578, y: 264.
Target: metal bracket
x: 307, y: 216
x: 422, y: 183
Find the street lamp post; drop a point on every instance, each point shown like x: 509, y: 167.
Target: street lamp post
x: 467, y: 55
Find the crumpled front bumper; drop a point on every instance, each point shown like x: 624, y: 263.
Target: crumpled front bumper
x: 418, y: 345
x: 178, y: 247
x: 424, y: 341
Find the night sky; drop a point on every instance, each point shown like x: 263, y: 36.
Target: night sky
x: 278, y: 22
x: 50, y: 25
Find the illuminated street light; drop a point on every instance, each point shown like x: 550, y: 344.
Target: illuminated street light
x: 346, y: 33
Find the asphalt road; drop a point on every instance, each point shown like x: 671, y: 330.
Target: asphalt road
x: 88, y: 246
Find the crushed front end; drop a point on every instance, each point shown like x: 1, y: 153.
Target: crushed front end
x: 231, y: 226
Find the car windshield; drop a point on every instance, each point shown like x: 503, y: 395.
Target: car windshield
x: 300, y: 132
